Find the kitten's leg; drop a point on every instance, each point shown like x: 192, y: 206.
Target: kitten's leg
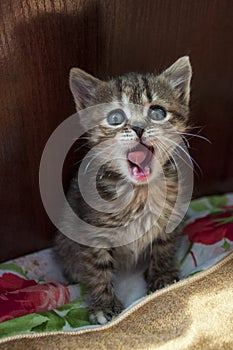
x: 162, y: 269
x: 94, y: 267
x: 98, y: 266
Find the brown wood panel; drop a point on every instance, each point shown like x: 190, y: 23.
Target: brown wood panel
x: 42, y: 40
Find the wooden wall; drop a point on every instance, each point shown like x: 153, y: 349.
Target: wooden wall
x: 42, y: 39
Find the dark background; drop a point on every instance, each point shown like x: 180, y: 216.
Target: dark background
x: 42, y: 40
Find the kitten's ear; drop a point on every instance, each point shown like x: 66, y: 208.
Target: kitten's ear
x: 179, y: 75
x: 83, y: 87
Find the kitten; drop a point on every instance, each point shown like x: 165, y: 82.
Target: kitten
x: 132, y: 238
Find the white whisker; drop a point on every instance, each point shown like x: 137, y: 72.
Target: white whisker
x: 78, y: 149
x: 170, y: 155
x: 183, y: 150
x: 186, y: 141
x: 95, y: 156
x: 166, y: 151
x: 193, y: 135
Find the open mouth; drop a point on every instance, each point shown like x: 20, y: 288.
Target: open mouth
x: 139, y: 160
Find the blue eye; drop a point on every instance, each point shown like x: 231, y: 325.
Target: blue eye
x: 116, y: 117
x: 157, y: 113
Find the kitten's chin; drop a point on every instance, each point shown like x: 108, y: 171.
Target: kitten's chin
x: 140, y: 163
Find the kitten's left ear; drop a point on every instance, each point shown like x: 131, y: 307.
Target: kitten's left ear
x: 179, y: 75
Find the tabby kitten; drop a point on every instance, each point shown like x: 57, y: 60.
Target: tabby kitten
x: 132, y: 237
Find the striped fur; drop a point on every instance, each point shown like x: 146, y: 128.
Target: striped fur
x: 152, y: 251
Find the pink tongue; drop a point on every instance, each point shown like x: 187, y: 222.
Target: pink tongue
x: 137, y: 157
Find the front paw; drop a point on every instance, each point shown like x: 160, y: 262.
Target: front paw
x: 160, y: 281
x: 101, y: 315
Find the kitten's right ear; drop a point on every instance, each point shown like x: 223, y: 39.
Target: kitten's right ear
x: 83, y: 87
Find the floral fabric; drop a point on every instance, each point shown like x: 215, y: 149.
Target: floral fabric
x: 34, y: 296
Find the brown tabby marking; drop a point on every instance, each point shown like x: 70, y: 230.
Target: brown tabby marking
x: 154, y: 250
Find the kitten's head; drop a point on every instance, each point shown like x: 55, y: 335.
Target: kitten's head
x: 142, y: 116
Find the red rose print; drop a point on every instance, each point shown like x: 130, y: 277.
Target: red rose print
x: 31, y: 297
x: 10, y: 282
x: 211, y: 228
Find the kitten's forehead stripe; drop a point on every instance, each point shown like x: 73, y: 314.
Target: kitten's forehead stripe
x: 147, y: 88
x: 135, y: 86
x: 137, y: 92
x: 118, y: 82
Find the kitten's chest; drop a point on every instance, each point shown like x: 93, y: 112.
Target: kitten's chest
x: 134, y: 256
x: 130, y: 265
